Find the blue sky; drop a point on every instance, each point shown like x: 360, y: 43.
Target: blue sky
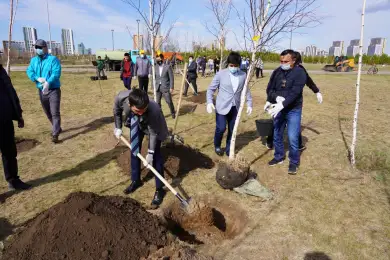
x: 92, y: 21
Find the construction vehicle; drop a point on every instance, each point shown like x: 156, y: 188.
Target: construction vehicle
x: 113, y: 59
x: 341, y: 64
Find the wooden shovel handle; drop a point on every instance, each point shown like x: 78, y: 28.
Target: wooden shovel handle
x: 150, y: 167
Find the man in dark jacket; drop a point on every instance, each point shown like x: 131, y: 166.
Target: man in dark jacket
x: 191, y: 76
x: 144, y: 117
x: 127, y: 71
x: 217, y: 62
x: 202, y: 64
x: 10, y: 110
x: 284, y: 104
x: 164, y: 83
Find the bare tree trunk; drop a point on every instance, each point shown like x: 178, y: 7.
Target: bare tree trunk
x: 11, y: 21
x: 151, y: 31
x: 248, y: 77
x: 355, y: 116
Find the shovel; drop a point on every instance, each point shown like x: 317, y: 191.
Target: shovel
x: 185, y: 203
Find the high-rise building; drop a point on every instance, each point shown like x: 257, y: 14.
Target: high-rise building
x: 56, y: 48
x: 67, y: 42
x: 81, y: 49
x: 321, y: 53
x: 337, y: 49
x: 30, y: 37
x: 311, y: 50
x: 135, y: 42
x: 88, y: 51
x: 353, y: 48
x: 17, y: 48
x: 376, y: 47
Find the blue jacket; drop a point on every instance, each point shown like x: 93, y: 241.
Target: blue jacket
x: 48, y: 67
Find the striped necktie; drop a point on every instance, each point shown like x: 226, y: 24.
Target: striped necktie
x: 134, y: 134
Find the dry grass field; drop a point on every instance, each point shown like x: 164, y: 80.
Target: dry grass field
x: 327, y: 208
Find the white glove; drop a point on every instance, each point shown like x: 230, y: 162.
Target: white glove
x: 280, y: 99
x: 45, y: 88
x: 149, y: 76
x: 319, y: 97
x: 118, y: 133
x: 41, y: 80
x: 275, y: 109
x: 134, y: 78
x: 266, y: 106
x: 149, y: 159
x: 210, y: 108
x: 249, y: 111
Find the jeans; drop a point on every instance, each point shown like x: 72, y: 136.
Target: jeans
x: 143, y: 83
x: 98, y: 72
x: 221, y: 121
x: 127, y: 82
x: 158, y: 164
x: 291, y: 118
x: 270, y: 140
x: 8, y: 150
x: 51, y: 105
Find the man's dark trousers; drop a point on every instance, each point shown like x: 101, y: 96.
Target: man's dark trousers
x: 158, y: 163
x: 258, y: 70
x: 168, y: 98
x: 193, y: 83
x: 8, y: 150
x: 221, y: 121
x: 143, y: 83
x: 127, y: 82
x: 51, y: 105
x: 291, y: 117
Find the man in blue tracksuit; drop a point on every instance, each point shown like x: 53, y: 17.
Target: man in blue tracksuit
x: 45, y: 71
x: 284, y: 104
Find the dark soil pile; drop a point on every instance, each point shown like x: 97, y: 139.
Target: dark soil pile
x: 23, y: 145
x: 179, y: 161
x: 88, y: 226
x: 187, y: 109
x: 199, y: 99
x: 230, y: 176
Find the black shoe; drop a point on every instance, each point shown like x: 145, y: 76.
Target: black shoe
x: 158, y: 197
x: 292, y: 169
x: 269, y: 146
x: 219, y: 151
x: 54, y: 139
x: 173, y: 116
x: 18, y: 185
x: 132, y: 187
x: 274, y: 162
x: 301, y: 148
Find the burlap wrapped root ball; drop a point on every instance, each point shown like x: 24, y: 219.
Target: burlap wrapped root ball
x: 232, y: 173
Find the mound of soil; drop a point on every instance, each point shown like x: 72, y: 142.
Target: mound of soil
x: 214, y: 220
x: 229, y: 176
x: 199, y: 99
x: 187, y: 109
x: 179, y: 161
x: 24, y: 145
x: 88, y: 226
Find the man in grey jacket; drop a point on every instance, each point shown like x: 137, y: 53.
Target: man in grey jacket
x: 143, y: 117
x: 164, y: 83
x: 143, y: 69
x: 230, y: 83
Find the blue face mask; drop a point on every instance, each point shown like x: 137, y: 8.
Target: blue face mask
x: 39, y: 52
x: 233, y: 70
x: 285, y: 66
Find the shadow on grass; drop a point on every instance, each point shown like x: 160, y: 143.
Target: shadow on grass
x: 316, y: 256
x: 97, y: 162
x: 344, y: 139
x: 243, y: 139
x: 6, y: 228
x: 92, y: 126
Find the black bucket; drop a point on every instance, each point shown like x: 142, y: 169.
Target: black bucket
x: 264, y: 127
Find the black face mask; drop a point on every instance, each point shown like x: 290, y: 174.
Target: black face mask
x: 159, y: 62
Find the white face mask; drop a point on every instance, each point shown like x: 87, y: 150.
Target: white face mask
x: 142, y: 55
x: 190, y: 60
x: 285, y: 66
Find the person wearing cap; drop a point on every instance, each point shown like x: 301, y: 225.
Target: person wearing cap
x: 10, y: 110
x: 164, y: 83
x: 143, y: 70
x: 45, y: 71
x: 127, y: 70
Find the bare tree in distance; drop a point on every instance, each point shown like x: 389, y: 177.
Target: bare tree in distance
x: 221, y: 10
x: 157, y: 11
x: 11, y: 24
x: 285, y: 16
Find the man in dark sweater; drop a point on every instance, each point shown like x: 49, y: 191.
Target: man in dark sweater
x: 10, y: 110
x: 284, y: 104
